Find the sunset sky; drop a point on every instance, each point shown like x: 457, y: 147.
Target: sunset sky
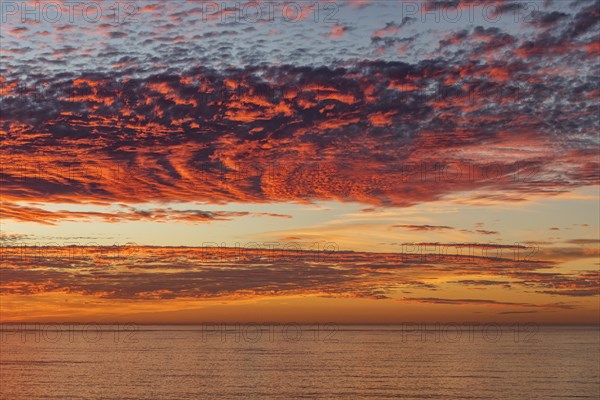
x: 353, y: 161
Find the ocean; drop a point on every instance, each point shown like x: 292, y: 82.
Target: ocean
x: 298, y: 362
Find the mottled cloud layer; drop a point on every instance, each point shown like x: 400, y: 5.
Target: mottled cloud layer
x: 496, y: 113
x: 142, y: 273
x: 372, y: 133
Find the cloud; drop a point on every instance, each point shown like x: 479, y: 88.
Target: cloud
x: 391, y: 28
x: 486, y: 232
x: 259, y: 135
x: 210, y: 272
x: 482, y: 282
x: 480, y: 114
x: 337, y: 32
x: 584, y: 242
x: 462, y: 302
x: 39, y: 215
x: 547, y: 20
x: 424, y: 227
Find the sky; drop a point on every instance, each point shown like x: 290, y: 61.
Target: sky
x: 352, y: 161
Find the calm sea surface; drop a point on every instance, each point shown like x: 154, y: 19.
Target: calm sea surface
x: 354, y: 362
